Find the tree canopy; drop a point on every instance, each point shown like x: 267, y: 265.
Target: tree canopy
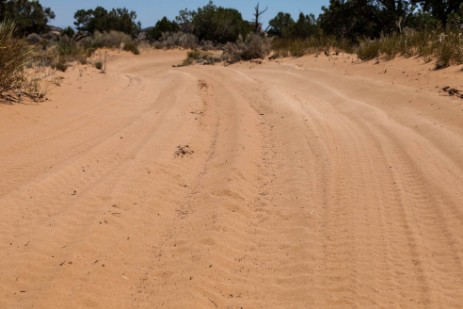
x: 218, y: 24
x: 284, y: 26
x: 347, y: 19
x: 99, y: 19
x: 162, y: 26
x: 355, y: 19
x: 29, y: 16
x: 281, y: 25
x: 442, y: 9
x: 351, y: 19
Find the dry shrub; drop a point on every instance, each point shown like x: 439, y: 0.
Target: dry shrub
x: 33, y: 38
x: 298, y: 49
x: 368, y: 50
x: 69, y: 50
x: 60, y: 54
x: 60, y: 64
x: 450, y: 50
x: 445, y: 48
x: 254, y: 47
x: 208, y: 45
x: 112, y: 39
x: 232, y: 52
x: 201, y: 57
x: 177, y: 40
x: 99, y: 65
x: 14, y: 55
x: 131, y: 46
x: 315, y: 44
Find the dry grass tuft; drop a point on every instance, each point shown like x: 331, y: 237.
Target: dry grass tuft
x: 446, y: 48
x: 14, y: 56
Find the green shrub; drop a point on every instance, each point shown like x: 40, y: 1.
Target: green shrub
x: 164, y: 25
x: 219, y: 24
x: 99, y: 65
x: 99, y: 19
x: 69, y: 32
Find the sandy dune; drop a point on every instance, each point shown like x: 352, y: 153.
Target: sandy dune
x: 307, y: 183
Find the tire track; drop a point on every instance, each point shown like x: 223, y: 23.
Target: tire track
x: 304, y: 190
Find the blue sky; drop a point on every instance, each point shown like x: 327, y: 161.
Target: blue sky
x: 149, y: 11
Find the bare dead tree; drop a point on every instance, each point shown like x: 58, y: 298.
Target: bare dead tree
x: 257, y: 15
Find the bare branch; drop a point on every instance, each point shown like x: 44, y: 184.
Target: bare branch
x: 257, y: 15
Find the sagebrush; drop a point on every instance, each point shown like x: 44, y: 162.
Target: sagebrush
x: 253, y: 47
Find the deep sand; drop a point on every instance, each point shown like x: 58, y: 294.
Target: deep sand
x: 307, y: 183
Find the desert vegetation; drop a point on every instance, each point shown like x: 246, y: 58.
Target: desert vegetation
x: 374, y: 29
x: 28, y: 41
x: 29, y: 16
x: 14, y: 55
x: 371, y: 29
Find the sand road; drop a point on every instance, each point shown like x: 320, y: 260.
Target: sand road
x: 304, y: 185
